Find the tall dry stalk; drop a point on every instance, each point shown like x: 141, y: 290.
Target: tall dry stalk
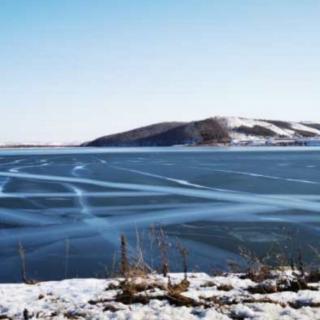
x: 163, y: 245
x: 23, y: 263
x: 184, y: 256
x: 124, y: 262
x: 67, y: 254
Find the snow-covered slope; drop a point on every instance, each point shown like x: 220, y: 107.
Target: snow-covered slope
x: 244, y: 128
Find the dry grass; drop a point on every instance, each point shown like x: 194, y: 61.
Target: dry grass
x: 225, y: 287
x: 24, y: 275
x: 124, y: 261
x: 163, y: 244
x: 135, y: 287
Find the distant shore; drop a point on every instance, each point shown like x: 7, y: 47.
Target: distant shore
x: 218, y: 145
x: 23, y: 146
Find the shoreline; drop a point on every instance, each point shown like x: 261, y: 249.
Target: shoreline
x: 199, y: 296
x: 217, y: 146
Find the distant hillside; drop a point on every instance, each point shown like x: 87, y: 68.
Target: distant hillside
x: 209, y: 131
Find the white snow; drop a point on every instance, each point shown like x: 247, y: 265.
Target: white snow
x: 299, y: 126
x: 94, y: 299
x: 233, y: 123
x: 236, y: 122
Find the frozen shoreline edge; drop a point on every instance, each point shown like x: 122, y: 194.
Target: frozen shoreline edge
x: 226, y: 297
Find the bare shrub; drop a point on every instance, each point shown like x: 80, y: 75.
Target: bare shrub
x: 257, y: 271
x: 184, y: 257
x: 163, y: 244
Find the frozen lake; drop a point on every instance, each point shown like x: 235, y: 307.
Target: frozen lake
x: 68, y: 207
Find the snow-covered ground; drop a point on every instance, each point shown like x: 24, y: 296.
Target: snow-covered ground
x: 220, y: 297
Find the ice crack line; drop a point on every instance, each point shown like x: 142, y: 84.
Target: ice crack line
x: 196, y: 193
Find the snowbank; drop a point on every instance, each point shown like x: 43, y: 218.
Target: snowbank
x: 222, y: 297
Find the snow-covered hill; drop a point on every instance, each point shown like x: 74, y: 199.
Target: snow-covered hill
x: 211, y: 131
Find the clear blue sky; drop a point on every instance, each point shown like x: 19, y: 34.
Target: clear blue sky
x: 77, y: 69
